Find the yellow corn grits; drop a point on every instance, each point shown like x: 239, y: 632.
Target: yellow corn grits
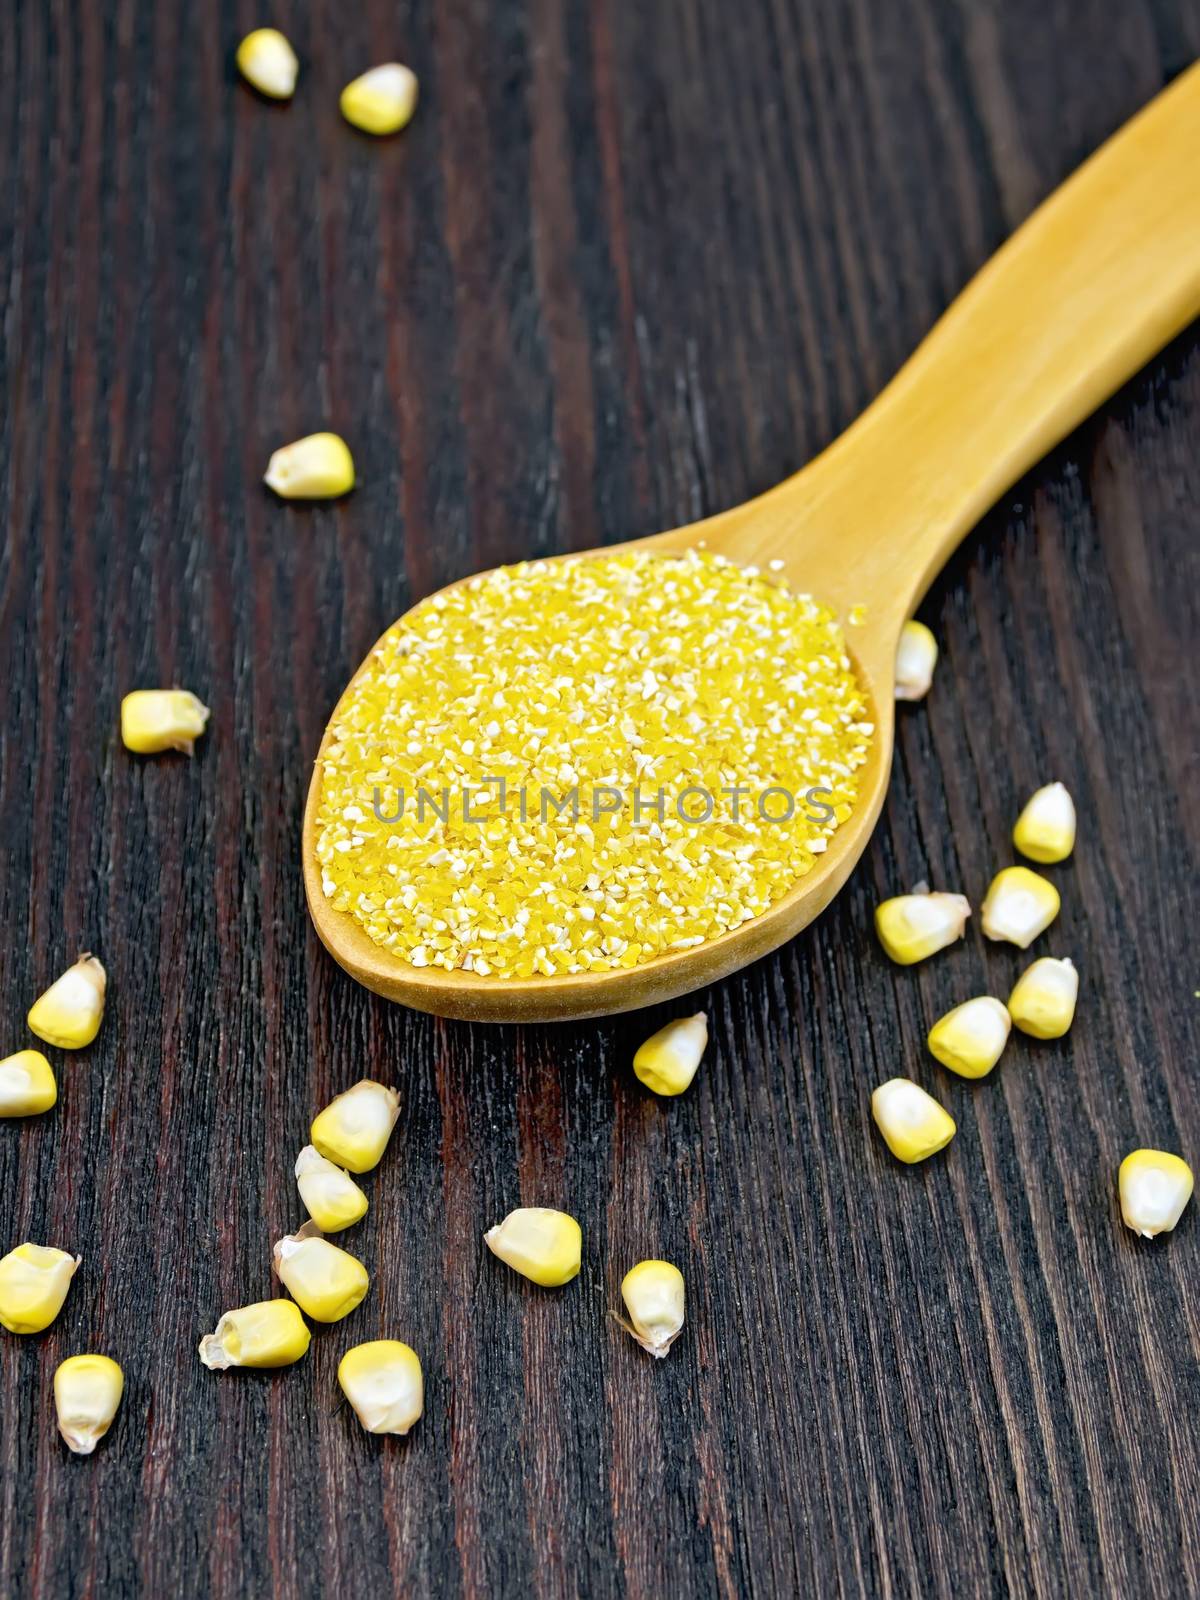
x: 672, y: 678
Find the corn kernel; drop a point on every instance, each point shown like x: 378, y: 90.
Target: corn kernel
x: 1045, y: 830
x: 654, y: 1296
x: 382, y: 100
x: 154, y: 720
x: 27, y: 1084
x: 911, y: 1121
x: 333, y: 1199
x: 319, y: 467
x: 971, y: 1038
x: 1020, y: 904
x: 1043, y: 999
x: 1154, y: 1188
x: 916, y: 657
x: 668, y: 1060
x: 87, y: 1392
x: 543, y: 1245
x: 354, y: 1129
x: 383, y: 1382
x: 34, y: 1280
x: 325, y: 1281
x: 266, y: 60
x: 270, y: 1333
x: 913, y: 926
x: 68, y: 1014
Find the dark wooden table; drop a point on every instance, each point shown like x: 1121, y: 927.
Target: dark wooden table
x: 631, y: 264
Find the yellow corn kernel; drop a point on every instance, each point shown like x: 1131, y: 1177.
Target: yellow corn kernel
x: 971, y: 1038
x: 333, y: 1199
x: 382, y: 100
x: 266, y: 60
x: 383, y: 1382
x: 325, y: 1281
x: 354, y: 1129
x: 27, y: 1084
x: 34, y: 1279
x: 916, y: 657
x: 543, y: 1245
x: 1020, y: 904
x: 913, y: 926
x: 270, y: 1333
x: 911, y: 1121
x: 1154, y: 1188
x: 154, y: 720
x: 68, y: 1014
x: 1045, y: 830
x: 319, y: 467
x: 654, y: 1296
x: 87, y: 1392
x: 668, y: 1060
x: 1043, y: 999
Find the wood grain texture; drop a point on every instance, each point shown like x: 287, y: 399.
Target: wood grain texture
x: 630, y: 265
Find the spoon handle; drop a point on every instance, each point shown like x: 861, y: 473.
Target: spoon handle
x: 1098, y: 279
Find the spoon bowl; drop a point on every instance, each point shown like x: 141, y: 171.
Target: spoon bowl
x: 543, y: 999
x: 1083, y: 294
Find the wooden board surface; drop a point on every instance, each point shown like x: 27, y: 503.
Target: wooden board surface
x: 630, y: 265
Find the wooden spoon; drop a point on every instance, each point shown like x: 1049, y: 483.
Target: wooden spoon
x: 1086, y: 291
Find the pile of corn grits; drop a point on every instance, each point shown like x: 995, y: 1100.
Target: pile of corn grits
x: 512, y: 785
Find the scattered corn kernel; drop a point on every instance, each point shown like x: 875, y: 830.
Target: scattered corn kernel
x: 319, y: 467
x: 383, y: 1382
x: 1045, y: 830
x: 609, y: 689
x: 27, y: 1084
x: 916, y: 657
x: 382, y: 100
x: 87, y: 1392
x: 34, y: 1279
x: 333, y: 1199
x: 266, y: 60
x: 325, y: 1281
x: 154, y: 720
x: 270, y: 1333
x: 913, y: 926
x: 543, y: 1245
x: 354, y: 1129
x: 1154, y: 1188
x: 971, y: 1038
x: 68, y: 1014
x: 654, y: 1296
x: 1043, y: 999
x: 1020, y: 904
x: 911, y: 1121
x: 668, y: 1060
